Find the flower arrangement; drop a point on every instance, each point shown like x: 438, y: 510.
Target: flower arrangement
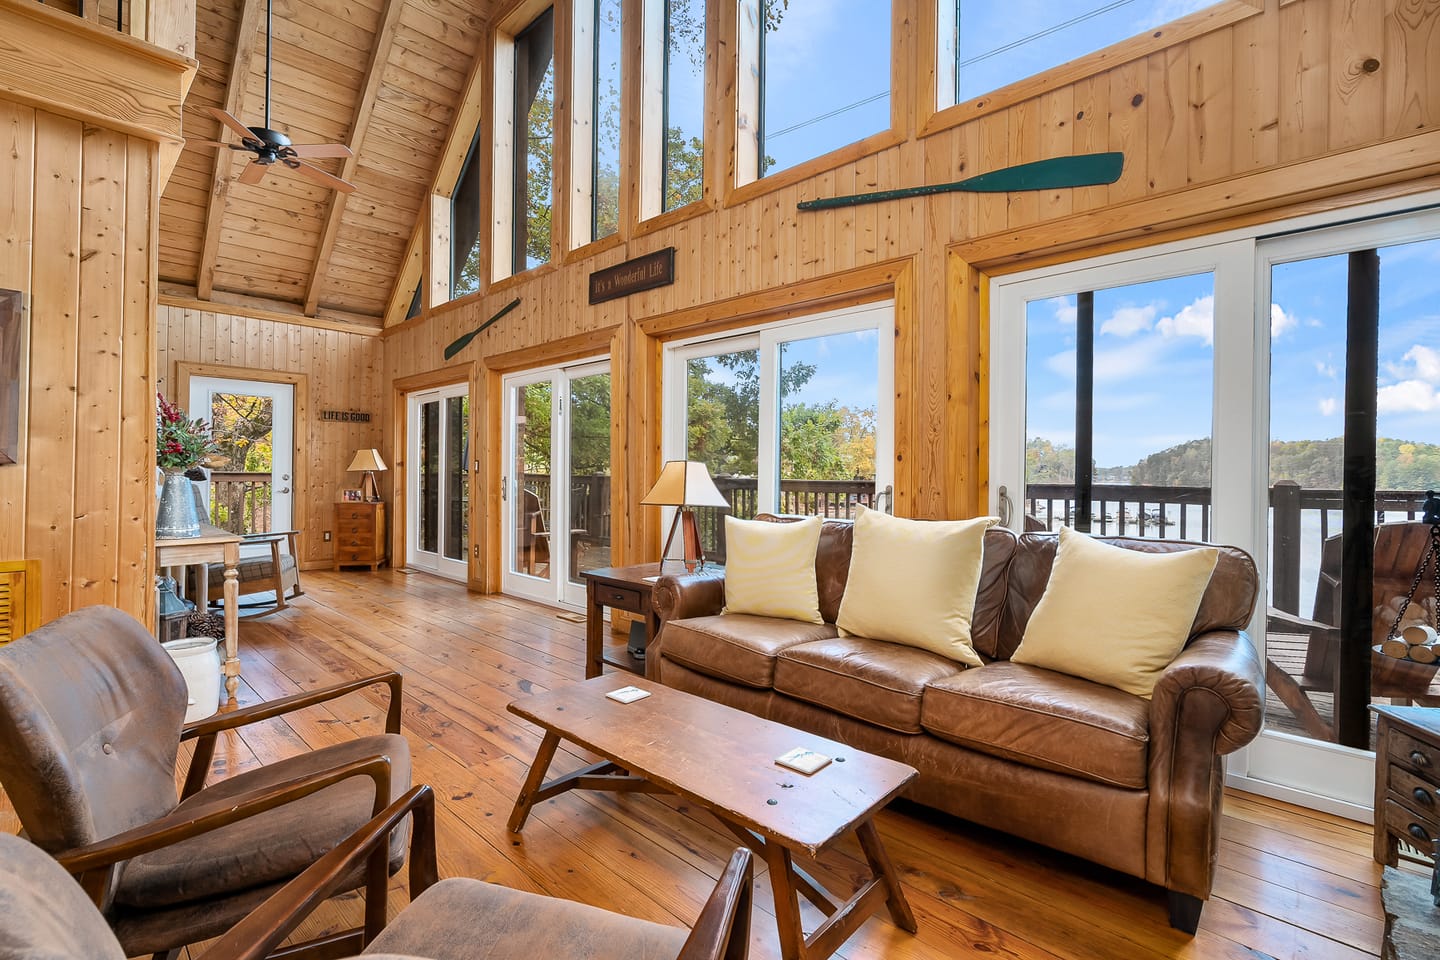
x: 180, y: 443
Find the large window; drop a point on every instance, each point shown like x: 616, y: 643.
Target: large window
x: 672, y: 147
x: 794, y: 418
x: 812, y: 78
x: 465, y: 226
x: 986, y: 44
x: 524, y: 148
x: 595, y: 154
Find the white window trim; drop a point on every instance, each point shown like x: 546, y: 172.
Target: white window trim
x: 582, y: 127
x: 652, y: 109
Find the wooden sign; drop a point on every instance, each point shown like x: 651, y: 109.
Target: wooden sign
x: 643, y: 273
x: 345, y: 416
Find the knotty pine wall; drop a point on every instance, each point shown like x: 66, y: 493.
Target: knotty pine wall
x: 1244, y: 114
x: 342, y: 371
x: 77, y: 222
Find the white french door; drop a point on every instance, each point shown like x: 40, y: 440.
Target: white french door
x: 796, y: 417
x: 1172, y: 392
x: 254, y: 423
x: 438, y: 481
x: 555, y: 487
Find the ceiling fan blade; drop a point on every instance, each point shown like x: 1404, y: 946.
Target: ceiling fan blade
x: 231, y: 122
x: 253, y: 173
x: 214, y: 143
x: 320, y: 176
x: 320, y: 150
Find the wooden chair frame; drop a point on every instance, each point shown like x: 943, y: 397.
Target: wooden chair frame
x: 275, y: 582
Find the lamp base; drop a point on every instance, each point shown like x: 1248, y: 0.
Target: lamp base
x: 369, y: 488
x: 690, y: 537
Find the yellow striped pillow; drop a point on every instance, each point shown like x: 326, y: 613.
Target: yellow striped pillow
x: 770, y: 568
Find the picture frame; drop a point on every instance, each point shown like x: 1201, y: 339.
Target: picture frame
x: 14, y: 367
x: 352, y: 496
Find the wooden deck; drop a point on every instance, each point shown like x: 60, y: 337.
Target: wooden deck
x: 1291, y: 883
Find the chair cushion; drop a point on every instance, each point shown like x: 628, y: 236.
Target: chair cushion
x: 269, y: 846
x: 870, y: 680
x: 250, y: 568
x: 44, y: 915
x: 1043, y: 719
x: 472, y: 920
x: 737, y: 647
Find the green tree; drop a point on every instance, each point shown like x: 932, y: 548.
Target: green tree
x: 1046, y: 462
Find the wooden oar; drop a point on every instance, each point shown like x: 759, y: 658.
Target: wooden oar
x: 464, y: 341
x: 1084, y: 170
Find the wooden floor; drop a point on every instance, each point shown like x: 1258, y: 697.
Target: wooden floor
x: 1291, y: 883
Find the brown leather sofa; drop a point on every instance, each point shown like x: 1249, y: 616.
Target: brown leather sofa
x: 1130, y: 783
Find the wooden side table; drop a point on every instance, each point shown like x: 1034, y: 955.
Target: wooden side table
x: 620, y: 588
x: 1407, y: 780
x: 360, y: 534
x: 212, y: 545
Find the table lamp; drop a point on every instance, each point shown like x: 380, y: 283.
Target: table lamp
x: 681, y: 484
x: 369, y: 461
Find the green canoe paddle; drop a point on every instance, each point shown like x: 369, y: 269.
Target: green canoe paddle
x: 464, y: 341
x: 1084, y: 170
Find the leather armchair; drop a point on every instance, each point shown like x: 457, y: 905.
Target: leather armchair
x: 44, y: 913
x: 91, y: 719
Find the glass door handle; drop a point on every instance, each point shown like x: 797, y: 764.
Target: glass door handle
x: 889, y: 494
x: 1004, y: 506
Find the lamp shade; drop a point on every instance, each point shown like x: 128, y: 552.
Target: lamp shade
x: 366, y: 459
x: 685, y: 483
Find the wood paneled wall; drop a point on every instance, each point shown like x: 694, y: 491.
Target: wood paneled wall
x: 1247, y: 110
x: 342, y: 371
x: 77, y: 222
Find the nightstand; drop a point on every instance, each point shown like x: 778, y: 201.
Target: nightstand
x: 360, y: 534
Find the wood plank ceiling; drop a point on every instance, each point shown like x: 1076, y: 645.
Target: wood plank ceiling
x: 382, y: 76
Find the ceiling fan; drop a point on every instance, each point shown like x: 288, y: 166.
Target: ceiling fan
x: 271, y: 146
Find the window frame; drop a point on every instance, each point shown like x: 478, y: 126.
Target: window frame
x: 505, y: 186
x: 584, y: 43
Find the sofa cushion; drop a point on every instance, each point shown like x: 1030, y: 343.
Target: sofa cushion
x: 1044, y: 719
x: 1113, y: 615
x: 736, y: 646
x: 870, y: 680
x: 914, y: 582
x: 770, y: 568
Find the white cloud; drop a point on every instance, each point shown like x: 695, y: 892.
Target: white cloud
x: 1128, y: 321
x: 1196, y: 319
x: 1326, y: 370
x: 1137, y: 358
x: 1427, y: 362
x: 1408, y: 396
x: 1065, y: 311
x: 1328, y: 406
x: 1280, y: 321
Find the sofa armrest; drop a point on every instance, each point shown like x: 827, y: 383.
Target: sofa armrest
x: 1209, y: 702
x: 698, y: 594
x: 1223, y: 665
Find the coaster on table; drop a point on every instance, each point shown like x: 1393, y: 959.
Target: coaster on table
x: 803, y: 761
x: 628, y: 694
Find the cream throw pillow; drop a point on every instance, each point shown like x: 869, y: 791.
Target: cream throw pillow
x: 1115, y: 616
x: 914, y: 582
x: 770, y: 568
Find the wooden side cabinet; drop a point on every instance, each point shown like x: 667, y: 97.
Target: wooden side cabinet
x: 1407, y: 780
x: 360, y: 535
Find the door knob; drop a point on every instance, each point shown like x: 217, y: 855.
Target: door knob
x: 283, y: 490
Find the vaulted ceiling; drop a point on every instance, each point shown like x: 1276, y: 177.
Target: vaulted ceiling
x: 385, y: 77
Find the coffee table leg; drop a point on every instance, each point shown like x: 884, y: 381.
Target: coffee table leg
x: 536, y: 777
x: 882, y: 867
x: 787, y: 905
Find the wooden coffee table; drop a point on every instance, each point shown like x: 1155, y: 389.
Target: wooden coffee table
x: 723, y: 759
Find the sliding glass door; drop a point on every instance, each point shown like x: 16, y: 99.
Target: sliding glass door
x: 438, y: 498
x: 794, y: 418
x: 556, y: 485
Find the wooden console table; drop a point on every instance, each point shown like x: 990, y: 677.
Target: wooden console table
x: 212, y: 546
x: 620, y: 588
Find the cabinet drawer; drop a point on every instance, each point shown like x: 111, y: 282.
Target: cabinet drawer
x: 1414, y: 830
x: 1422, y: 758
x: 363, y: 514
x: 1420, y: 795
x: 609, y: 596
x: 361, y: 538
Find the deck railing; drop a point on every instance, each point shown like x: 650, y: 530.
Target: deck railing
x: 240, y: 501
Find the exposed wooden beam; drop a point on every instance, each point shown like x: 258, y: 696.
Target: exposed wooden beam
x: 247, y: 35
x: 359, y: 125
x: 242, y: 305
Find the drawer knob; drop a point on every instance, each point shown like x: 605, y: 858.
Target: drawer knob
x: 1419, y: 833
x: 1423, y: 797
x: 1419, y: 759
